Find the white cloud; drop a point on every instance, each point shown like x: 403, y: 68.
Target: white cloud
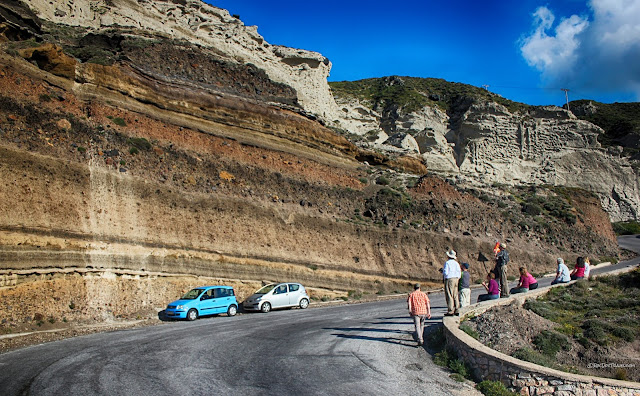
x: 597, y: 53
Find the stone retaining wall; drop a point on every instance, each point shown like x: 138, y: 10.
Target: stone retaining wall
x: 520, y: 376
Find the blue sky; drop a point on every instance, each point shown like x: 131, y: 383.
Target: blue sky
x: 524, y: 50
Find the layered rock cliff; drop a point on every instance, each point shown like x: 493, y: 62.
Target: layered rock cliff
x: 204, y: 25
x: 482, y: 142
x: 150, y: 146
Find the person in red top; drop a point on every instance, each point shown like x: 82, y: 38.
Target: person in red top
x: 419, y: 309
x: 578, y: 270
x: 527, y: 282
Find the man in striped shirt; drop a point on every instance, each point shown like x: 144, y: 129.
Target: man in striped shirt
x: 419, y: 309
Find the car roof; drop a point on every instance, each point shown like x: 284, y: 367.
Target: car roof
x: 211, y: 287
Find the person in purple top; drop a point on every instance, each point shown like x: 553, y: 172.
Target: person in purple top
x: 527, y: 282
x: 493, y: 290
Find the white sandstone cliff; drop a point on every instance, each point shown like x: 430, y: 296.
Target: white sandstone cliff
x: 489, y: 144
x: 211, y: 27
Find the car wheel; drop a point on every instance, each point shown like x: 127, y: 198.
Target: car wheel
x: 232, y: 310
x: 192, y: 314
x: 266, y: 307
x: 304, y: 303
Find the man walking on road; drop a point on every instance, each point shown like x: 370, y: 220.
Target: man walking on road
x: 419, y: 309
x: 451, y: 274
x: 502, y: 259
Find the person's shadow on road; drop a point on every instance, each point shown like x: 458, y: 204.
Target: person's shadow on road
x: 380, y: 335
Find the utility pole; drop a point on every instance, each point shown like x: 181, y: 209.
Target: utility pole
x: 566, y: 95
x: 486, y: 87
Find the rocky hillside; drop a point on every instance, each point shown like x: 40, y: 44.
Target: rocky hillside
x: 151, y: 146
x: 620, y: 122
x: 483, y: 139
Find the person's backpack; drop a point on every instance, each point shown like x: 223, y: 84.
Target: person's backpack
x: 503, y: 258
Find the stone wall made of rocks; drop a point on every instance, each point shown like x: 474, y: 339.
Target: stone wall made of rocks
x: 523, y: 377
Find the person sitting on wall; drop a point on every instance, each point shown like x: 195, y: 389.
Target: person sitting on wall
x: 493, y: 290
x: 562, y: 274
x: 578, y: 270
x: 527, y: 282
x: 587, y: 267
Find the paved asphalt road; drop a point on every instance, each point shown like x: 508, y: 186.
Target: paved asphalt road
x: 356, y: 349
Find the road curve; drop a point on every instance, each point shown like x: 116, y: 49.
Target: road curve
x: 347, y: 350
x: 355, y: 349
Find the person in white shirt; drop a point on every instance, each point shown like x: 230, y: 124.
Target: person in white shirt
x: 587, y: 267
x: 562, y: 274
x: 451, y: 274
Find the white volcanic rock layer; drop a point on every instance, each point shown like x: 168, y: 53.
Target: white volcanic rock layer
x: 487, y: 145
x: 547, y: 145
x: 211, y: 27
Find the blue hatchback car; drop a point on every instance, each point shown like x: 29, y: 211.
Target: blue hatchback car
x: 201, y: 301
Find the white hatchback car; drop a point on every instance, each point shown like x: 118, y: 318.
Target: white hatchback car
x: 277, y: 295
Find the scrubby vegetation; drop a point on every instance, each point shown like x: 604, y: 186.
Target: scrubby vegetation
x: 604, y: 311
x: 549, y: 202
x: 494, y: 388
x: 620, y: 121
x: 547, y: 345
x: 626, y: 228
x: 413, y: 93
x: 447, y: 357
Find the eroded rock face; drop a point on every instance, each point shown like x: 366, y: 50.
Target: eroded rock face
x: 487, y: 144
x: 199, y: 23
x: 51, y: 58
x: 546, y: 146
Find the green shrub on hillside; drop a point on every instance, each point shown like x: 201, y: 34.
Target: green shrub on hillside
x: 139, y: 143
x: 554, y: 203
x: 470, y: 331
x: 494, y: 388
x: 541, y: 359
x: 626, y: 228
x: 550, y: 343
x: 413, y: 93
x: 617, y: 119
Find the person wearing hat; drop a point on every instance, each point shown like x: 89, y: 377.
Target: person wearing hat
x: 465, y: 286
x: 419, y: 309
x: 451, y: 274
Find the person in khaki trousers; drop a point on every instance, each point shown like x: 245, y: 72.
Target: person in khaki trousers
x: 465, y: 286
x: 502, y: 259
x: 451, y: 274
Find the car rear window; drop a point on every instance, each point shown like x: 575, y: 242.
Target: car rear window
x: 293, y: 287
